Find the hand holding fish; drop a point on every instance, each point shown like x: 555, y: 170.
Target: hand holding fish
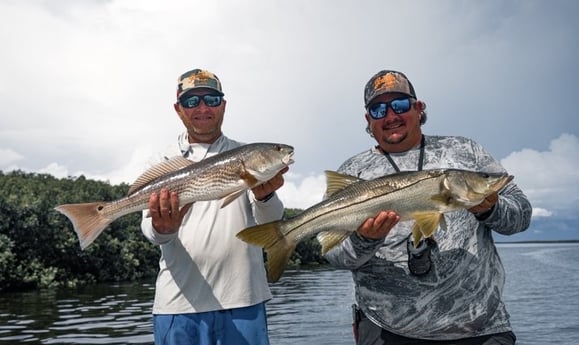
x: 164, y: 210
x: 262, y: 191
x: 486, y: 205
x: 378, y: 227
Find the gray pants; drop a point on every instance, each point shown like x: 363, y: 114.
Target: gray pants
x: 370, y: 334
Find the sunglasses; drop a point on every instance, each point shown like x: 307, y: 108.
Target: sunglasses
x: 194, y: 101
x: 399, y: 106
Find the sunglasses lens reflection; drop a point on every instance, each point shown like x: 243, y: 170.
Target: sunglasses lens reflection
x: 380, y: 110
x: 212, y: 100
x: 194, y: 101
x: 191, y: 102
x: 400, y: 106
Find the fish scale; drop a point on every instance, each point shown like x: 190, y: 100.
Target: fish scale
x: 224, y: 176
x: 364, y: 200
x: 421, y: 196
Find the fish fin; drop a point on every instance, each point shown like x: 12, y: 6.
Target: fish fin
x: 443, y: 198
x: 87, y: 220
x: 330, y: 239
x: 335, y: 182
x: 278, y: 256
x: 248, y: 176
x: 231, y: 197
x: 160, y: 169
x: 278, y: 247
x: 416, y: 235
x: 425, y: 224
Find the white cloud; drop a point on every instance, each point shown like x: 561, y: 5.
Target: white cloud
x: 541, y: 212
x: 87, y: 86
x: 549, y: 178
x: 55, y: 170
x: 8, y: 157
x: 302, y: 192
x: 134, y: 165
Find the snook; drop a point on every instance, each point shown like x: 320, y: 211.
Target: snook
x: 224, y: 176
x: 420, y: 196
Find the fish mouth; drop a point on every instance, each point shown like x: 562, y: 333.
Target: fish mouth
x: 502, y: 182
x: 288, y: 159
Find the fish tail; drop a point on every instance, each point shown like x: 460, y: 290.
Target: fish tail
x: 87, y: 220
x: 277, y: 246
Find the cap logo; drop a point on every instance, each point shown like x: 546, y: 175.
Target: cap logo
x: 387, y: 81
x: 201, y: 77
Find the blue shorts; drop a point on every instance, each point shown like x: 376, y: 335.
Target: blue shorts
x: 239, y: 326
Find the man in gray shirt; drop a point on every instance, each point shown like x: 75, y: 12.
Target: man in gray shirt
x: 447, y: 289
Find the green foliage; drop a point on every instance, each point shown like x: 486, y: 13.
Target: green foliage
x: 39, y: 249
x: 307, y: 251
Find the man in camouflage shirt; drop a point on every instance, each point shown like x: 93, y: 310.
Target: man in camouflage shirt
x: 446, y: 289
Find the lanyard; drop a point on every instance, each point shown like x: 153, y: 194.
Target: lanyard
x: 420, y: 158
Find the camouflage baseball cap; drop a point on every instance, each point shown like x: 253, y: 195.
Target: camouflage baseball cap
x: 197, y: 79
x: 387, y: 81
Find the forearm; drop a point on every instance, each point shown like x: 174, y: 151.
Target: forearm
x: 511, y: 214
x: 268, y: 210
x: 353, y: 252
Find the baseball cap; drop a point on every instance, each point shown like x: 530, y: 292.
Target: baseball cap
x: 197, y: 79
x: 387, y: 81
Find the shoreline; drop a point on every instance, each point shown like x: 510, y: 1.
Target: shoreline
x: 537, y: 241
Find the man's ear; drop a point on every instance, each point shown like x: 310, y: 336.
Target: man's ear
x: 368, y: 130
x: 420, y: 106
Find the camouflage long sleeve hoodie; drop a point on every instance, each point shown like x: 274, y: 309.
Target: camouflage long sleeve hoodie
x: 461, y: 296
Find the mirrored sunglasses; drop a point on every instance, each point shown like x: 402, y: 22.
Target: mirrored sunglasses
x: 379, y: 110
x: 194, y: 101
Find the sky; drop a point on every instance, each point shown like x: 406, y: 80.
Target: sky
x: 87, y: 87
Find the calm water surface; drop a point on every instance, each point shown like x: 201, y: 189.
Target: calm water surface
x: 309, y: 306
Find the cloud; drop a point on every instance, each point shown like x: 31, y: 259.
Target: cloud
x: 541, y: 212
x: 55, y: 170
x: 302, y: 192
x: 8, y: 157
x: 549, y: 178
x: 88, y: 86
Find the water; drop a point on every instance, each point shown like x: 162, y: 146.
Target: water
x: 102, y: 314
x: 309, y: 306
x: 542, y: 292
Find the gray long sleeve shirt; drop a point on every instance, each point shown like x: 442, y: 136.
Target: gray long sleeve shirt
x: 462, y: 294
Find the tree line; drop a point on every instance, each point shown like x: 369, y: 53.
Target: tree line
x: 39, y: 248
